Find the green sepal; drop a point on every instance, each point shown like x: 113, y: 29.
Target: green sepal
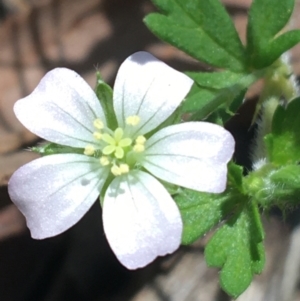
x: 285, y: 185
x: 198, y: 97
x: 283, y: 143
x: 53, y: 148
x: 173, y: 119
x: 272, y: 186
x: 203, y: 29
x: 202, y: 211
x: 287, y: 178
x: 235, y: 177
x: 227, y: 111
x: 264, y: 42
x: 211, y: 90
x: 237, y: 249
x: 105, y: 95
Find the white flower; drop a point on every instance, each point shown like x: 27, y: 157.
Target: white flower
x: 141, y: 220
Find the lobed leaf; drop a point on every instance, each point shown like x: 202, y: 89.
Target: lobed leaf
x: 237, y: 246
x: 216, y: 80
x: 203, y: 29
x: 202, y: 211
x: 237, y: 249
x: 266, y: 20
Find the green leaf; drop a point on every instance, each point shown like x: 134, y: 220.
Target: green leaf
x: 283, y: 144
x: 202, y: 211
x: 216, y: 80
x: 105, y: 95
x: 279, y: 45
x: 266, y: 19
x: 203, y: 29
x: 237, y: 248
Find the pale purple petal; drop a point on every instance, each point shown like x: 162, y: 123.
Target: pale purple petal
x: 61, y: 109
x: 54, y: 192
x: 141, y: 220
x: 148, y: 88
x: 193, y: 155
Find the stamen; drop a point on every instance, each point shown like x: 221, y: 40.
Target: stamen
x: 119, y: 170
x: 104, y: 161
x: 133, y: 120
x: 89, y: 150
x: 115, y: 170
x: 98, y: 124
x: 97, y: 135
x: 140, y: 140
x: 124, y: 168
x: 138, y: 148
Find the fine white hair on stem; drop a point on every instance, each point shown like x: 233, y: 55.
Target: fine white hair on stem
x: 286, y: 59
x: 264, y: 122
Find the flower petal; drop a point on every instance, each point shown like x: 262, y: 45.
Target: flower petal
x: 141, y: 220
x: 192, y: 155
x: 61, y: 109
x: 54, y: 192
x: 148, y: 88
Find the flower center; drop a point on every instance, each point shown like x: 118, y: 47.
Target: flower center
x: 115, y: 148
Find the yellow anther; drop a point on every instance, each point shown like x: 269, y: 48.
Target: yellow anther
x: 97, y: 135
x: 116, y: 170
x: 98, y: 124
x: 140, y: 140
x: 133, y: 120
x: 120, y: 170
x: 89, y: 150
x: 124, y: 168
x: 104, y: 161
x: 138, y: 148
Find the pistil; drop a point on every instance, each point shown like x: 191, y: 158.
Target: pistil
x: 117, y: 151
